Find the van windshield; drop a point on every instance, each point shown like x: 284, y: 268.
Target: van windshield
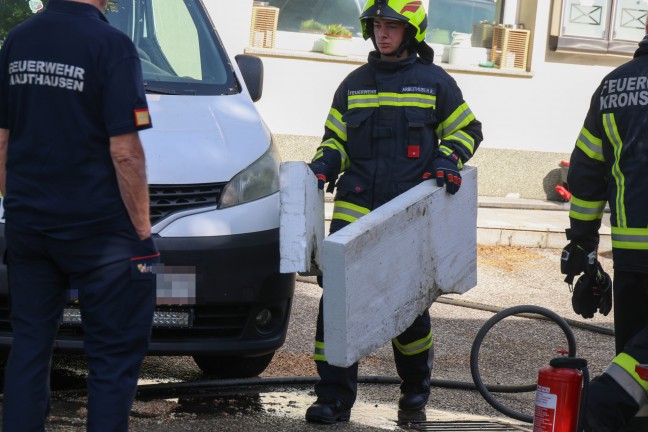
x: 179, y: 52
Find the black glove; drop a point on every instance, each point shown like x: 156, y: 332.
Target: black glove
x: 320, y: 170
x: 577, y: 259
x: 324, y: 174
x: 446, y: 170
x: 592, y: 293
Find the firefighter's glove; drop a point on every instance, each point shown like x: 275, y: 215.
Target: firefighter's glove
x: 593, y: 293
x: 324, y: 174
x: 446, y: 171
x: 577, y: 259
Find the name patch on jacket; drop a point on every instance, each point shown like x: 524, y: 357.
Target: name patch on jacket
x: 362, y: 92
x: 417, y: 89
x: 624, y: 92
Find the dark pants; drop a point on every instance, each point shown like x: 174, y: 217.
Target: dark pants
x: 117, y: 298
x: 414, y: 369
x: 609, y: 404
x: 630, y: 310
x: 342, y: 383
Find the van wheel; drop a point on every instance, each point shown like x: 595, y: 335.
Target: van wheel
x: 233, y: 366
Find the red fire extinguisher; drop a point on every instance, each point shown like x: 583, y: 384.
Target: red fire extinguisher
x: 560, y: 395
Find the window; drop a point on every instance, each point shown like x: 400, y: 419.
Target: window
x: 448, y: 16
x: 444, y: 17
x: 292, y: 13
x: 177, y: 49
x: 612, y: 26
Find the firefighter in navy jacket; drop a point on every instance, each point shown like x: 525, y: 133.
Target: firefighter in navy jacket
x: 608, y: 166
x: 73, y: 177
x: 394, y: 122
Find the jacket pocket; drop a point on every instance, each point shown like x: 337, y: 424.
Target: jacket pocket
x: 359, y: 124
x: 349, y: 185
x: 421, y: 139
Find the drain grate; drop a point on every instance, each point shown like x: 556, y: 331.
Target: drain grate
x: 462, y: 426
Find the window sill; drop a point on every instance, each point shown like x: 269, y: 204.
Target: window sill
x: 361, y: 59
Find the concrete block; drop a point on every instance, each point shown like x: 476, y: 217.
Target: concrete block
x: 301, y: 221
x: 387, y: 267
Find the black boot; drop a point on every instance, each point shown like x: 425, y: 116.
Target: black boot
x: 414, y: 397
x: 328, y: 410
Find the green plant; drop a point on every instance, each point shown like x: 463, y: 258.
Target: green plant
x: 312, y: 26
x: 338, y: 29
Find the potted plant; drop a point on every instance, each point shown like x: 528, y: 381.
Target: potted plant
x: 337, y: 40
x: 312, y: 26
x: 338, y: 30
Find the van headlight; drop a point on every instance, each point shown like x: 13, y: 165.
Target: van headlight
x: 257, y: 181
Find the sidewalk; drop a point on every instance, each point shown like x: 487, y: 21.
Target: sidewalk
x: 521, y: 222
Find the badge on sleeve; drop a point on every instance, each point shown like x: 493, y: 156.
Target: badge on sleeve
x: 142, y: 117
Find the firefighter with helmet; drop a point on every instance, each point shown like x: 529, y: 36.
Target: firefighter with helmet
x: 394, y: 122
x: 608, y: 166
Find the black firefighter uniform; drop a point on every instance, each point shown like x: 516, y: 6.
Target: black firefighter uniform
x: 386, y: 123
x: 610, y: 165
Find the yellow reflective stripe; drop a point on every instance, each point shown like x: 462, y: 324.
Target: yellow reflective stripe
x: 415, y: 347
x: 318, y: 154
x: 420, y: 100
x: 609, y: 123
x: 319, y: 354
x: 349, y: 212
x: 407, y: 99
x: 459, y: 119
x: 585, y: 210
x: 463, y: 139
x: 448, y: 151
x: 630, y: 381
x: 590, y: 145
x: 362, y: 101
x: 445, y: 150
x: 334, y: 122
x: 334, y: 144
x: 630, y: 238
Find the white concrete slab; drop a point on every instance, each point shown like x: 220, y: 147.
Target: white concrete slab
x: 301, y: 221
x: 386, y: 268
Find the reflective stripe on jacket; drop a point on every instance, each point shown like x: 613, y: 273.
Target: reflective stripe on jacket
x: 385, y: 123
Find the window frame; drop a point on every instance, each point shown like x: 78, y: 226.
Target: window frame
x: 608, y: 42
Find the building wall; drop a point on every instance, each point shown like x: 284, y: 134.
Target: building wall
x: 529, y: 120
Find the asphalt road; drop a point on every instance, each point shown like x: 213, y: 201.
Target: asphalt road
x: 510, y: 354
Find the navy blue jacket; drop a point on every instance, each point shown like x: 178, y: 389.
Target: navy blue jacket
x: 68, y: 82
x: 387, y: 122
x: 609, y: 164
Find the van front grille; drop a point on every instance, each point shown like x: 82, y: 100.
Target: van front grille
x: 170, y: 199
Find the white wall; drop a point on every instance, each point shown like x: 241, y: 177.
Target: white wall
x: 232, y: 20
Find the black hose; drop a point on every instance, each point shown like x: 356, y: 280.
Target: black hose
x: 489, y: 308
x: 484, y: 307
x: 214, y: 385
x: 528, y: 311
x: 474, y: 352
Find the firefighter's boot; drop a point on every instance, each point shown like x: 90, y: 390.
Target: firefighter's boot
x: 328, y: 410
x: 414, y: 396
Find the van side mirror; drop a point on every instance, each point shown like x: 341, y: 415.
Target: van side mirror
x: 252, y: 70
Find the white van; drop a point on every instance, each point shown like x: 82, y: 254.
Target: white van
x: 213, y: 173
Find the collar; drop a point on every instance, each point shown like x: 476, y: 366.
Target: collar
x: 643, y: 48
x: 375, y: 61
x: 72, y: 7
